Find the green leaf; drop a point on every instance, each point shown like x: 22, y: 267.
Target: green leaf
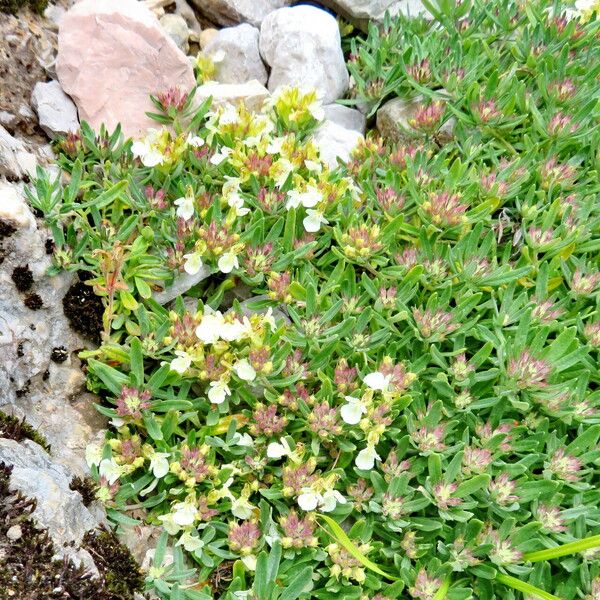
x: 472, y: 485
x: 152, y: 426
x: 136, y: 361
x: 302, y: 582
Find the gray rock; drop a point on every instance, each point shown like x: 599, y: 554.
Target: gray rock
x: 183, y: 282
x: 206, y: 37
x: 16, y: 161
x: 360, y: 12
x: 394, y: 116
x: 56, y: 111
x: 241, y: 59
x: 252, y: 93
x: 302, y: 46
x: 231, y: 12
x: 8, y: 119
x: 47, y: 394
x: 58, y: 509
x: 187, y: 12
x: 177, y: 29
x: 54, y: 14
x: 336, y: 142
x: 248, y: 311
x: 346, y: 117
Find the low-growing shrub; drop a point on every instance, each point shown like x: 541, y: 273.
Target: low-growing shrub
x: 382, y: 381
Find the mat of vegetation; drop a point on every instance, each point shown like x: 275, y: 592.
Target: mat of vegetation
x: 407, y: 404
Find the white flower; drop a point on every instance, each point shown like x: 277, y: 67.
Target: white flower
x: 146, y: 151
x: 193, y: 263
x: 228, y: 262
x: 249, y: 562
x: 365, y: 459
x: 310, y: 197
x: 316, y: 110
x: 182, y: 363
x: 275, y: 145
x: 327, y: 501
x: 269, y: 319
x: 244, y: 370
x: 242, y: 439
x: 585, y: 5
x: 283, y: 167
x: 313, y: 221
x: 110, y: 470
x: 168, y: 523
x: 308, y: 499
x: 279, y: 449
x: 219, y: 157
x: 377, y: 381
x: 241, y: 508
x: 330, y: 499
x: 93, y: 455
x: 218, y: 391
x: 313, y: 165
x: 185, y: 207
x: 236, y: 330
x: 353, y: 411
x: 190, y: 542
x: 184, y: 513
x: 209, y: 330
x: 236, y: 201
x: 194, y: 140
x: 159, y: 465
x: 229, y: 115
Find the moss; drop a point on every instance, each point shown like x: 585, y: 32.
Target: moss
x: 18, y: 430
x: 6, y: 228
x: 33, y: 301
x: 28, y: 570
x: 13, y: 6
x: 121, y: 573
x: 86, y: 486
x: 84, y: 310
x: 22, y: 278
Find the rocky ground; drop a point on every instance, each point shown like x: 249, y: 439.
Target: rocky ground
x: 99, y: 61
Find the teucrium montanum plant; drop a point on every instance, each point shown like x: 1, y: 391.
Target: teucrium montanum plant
x: 407, y: 406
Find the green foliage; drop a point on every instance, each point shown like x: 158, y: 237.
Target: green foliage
x: 13, y: 6
x: 408, y: 403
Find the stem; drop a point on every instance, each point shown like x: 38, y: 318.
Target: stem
x: 526, y: 588
x: 564, y: 550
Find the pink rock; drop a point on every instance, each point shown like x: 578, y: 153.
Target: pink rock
x: 112, y: 54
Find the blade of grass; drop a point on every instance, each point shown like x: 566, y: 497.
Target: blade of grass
x: 563, y: 550
x: 526, y: 588
x: 342, y: 538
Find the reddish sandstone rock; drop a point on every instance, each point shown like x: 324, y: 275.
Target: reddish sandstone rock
x: 111, y: 56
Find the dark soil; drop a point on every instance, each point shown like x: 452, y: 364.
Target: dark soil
x: 18, y: 430
x: 22, y: 278
x: 33, y: 301
x: 27, y: 568
x: 84, y: 310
